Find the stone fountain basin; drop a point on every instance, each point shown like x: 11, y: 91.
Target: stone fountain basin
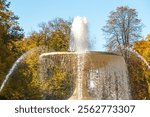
x: 108, y: 71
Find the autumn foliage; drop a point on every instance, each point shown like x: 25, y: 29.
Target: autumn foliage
x: 140, y: 74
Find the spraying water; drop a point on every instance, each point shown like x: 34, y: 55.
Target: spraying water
x: 14, y: 66
x: 79, y: 35
x: 79, y: 43
x: 138, y: 55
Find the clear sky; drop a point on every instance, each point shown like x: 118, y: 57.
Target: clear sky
x: 33, y: 12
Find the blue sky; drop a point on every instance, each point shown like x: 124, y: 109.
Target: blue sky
x: 33, y: 12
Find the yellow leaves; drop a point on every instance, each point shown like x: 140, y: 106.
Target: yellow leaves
x: 139, y: 74
x: 59, y: 84
x: 149, y: 87
x: 59, y: 41
x: 25, y: 80
x: 58, y: 77
x: 143, y: 48
x: 148, y: 37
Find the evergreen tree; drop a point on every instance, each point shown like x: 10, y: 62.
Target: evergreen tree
x: 9, y: 26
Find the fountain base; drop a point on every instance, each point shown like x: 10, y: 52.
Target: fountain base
x: 103, y: 75
x: 85, y: 96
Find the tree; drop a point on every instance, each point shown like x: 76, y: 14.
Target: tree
x: 55, y: 34
x: 138, y: 70
x: 122, y: 29
x: 52, y: 36
x: 60, y: 85
x: 10, y: 31
x: 138, y: 81
x: 9, y: 27
x: 143, y: 48
x: 24, y: 82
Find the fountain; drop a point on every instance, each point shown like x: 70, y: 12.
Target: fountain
x: 98, y: 75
